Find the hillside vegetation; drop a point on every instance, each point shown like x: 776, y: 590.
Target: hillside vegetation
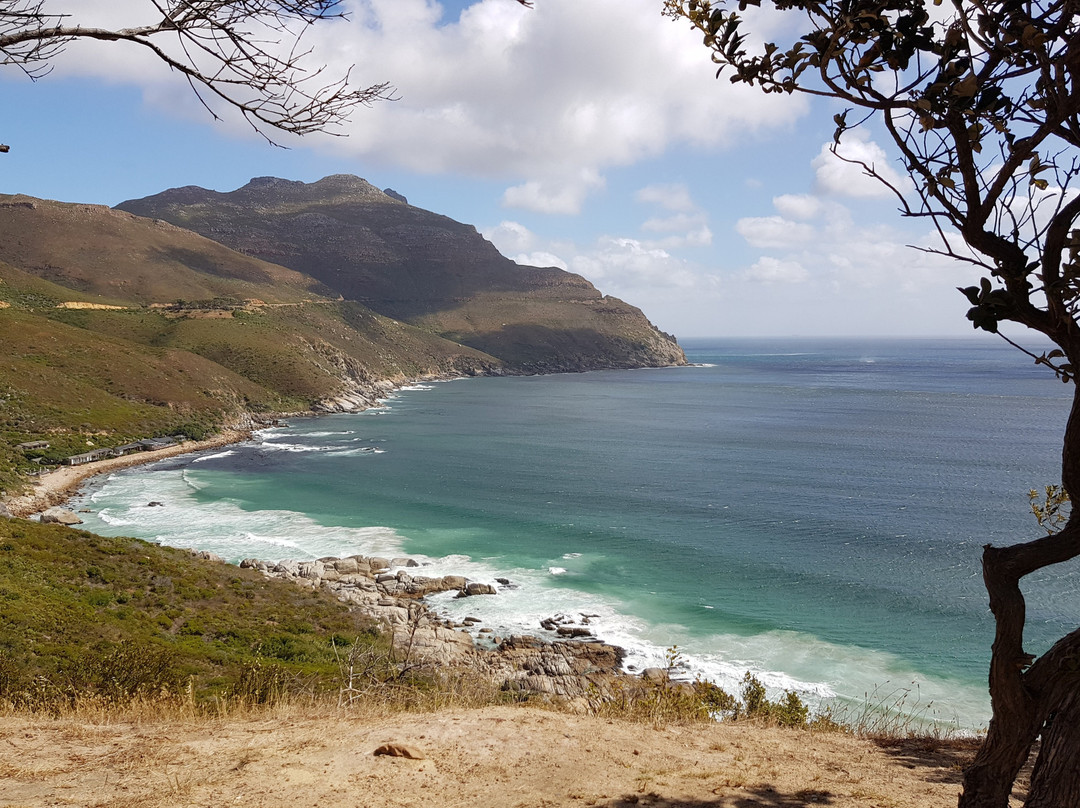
x: 89, y: 618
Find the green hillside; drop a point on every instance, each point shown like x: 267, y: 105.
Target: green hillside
x: 113, y: 618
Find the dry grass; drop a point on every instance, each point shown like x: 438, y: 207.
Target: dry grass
x: 319, y: 754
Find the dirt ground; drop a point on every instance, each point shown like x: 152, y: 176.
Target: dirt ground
x: 501, y: 757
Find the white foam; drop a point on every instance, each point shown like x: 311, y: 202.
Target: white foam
x: 557, y: 570
x: 297, y: 448
x: 222, y: 527
x: 360, y: 450
x: 214, y: 456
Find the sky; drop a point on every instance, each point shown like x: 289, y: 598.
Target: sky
x: 591, y: 135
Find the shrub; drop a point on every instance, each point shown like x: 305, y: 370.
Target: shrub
x: 787, y: 712
x: 127, y: 671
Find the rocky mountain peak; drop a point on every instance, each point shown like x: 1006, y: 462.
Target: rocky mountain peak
x: 423, y: 268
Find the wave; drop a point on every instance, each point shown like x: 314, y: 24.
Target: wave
x: 222, y: 527
x: 293, y: 447
x: 215, y: 456
x: 357, y: 452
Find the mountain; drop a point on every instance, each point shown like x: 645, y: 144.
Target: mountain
x: 420, y: 268
x: 117, y: 327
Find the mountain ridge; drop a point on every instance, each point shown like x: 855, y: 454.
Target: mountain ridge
x: 423, y: 268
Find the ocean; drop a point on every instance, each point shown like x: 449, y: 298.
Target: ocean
x: 811, y: 511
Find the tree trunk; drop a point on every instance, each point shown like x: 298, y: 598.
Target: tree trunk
x: 1022, y: 702
x: 1055, y: 782
x: 988, y: 782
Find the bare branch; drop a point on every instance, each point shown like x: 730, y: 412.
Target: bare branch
x: 243, y: 54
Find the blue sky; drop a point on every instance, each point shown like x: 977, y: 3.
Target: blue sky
x: 586, y: 134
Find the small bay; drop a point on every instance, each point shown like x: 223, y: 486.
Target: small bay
x: 812, y: 511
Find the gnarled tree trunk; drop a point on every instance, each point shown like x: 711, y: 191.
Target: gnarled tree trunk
x: 1045, y: 697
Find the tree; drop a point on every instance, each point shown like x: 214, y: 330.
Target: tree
x: 982, y: 100
x: 245, y: 54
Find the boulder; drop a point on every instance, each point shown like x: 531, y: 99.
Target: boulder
x: 206, y: 555
x: 60, y: 516
x: 287, y: 567
x: 655, y: 675
x: 573, y: 631
x: 347, y: 566
x: 477, y: 589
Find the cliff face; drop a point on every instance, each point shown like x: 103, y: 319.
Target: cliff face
x: 422, y: 268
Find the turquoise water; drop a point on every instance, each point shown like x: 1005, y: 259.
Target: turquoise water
x: 811, y: 511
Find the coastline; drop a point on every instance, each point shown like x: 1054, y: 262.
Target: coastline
x: 568, y: 666
x: 57, y: 486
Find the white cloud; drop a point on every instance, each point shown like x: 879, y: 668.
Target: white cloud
x: 839, y: 177
x: 519, y: 244
x: 770, y: 270
x: 774, y: 231
x: 690, y: 230
x: 872, y: 263
x: 675, y: 197
x: 510, y: 237
x: 540, y: 259
x: 626, y: 264
x: 798, y: 206
x: 687, y: 224
x: 554, y: 196
x: 505, y: 91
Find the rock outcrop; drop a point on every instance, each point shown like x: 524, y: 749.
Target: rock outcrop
x: 60, y: 516
x: 384, y: 590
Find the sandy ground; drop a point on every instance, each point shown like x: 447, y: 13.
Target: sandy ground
x: 56, y: 486
x: 504, y: 757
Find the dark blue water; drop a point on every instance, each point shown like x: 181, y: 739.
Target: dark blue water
x: 809, y: 510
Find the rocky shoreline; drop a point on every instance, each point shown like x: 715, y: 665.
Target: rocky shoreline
x: 573, y: 667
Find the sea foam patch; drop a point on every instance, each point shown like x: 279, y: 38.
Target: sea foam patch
x: 162, y: 506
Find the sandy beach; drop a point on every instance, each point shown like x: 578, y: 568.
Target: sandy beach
x: 55, y: 487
